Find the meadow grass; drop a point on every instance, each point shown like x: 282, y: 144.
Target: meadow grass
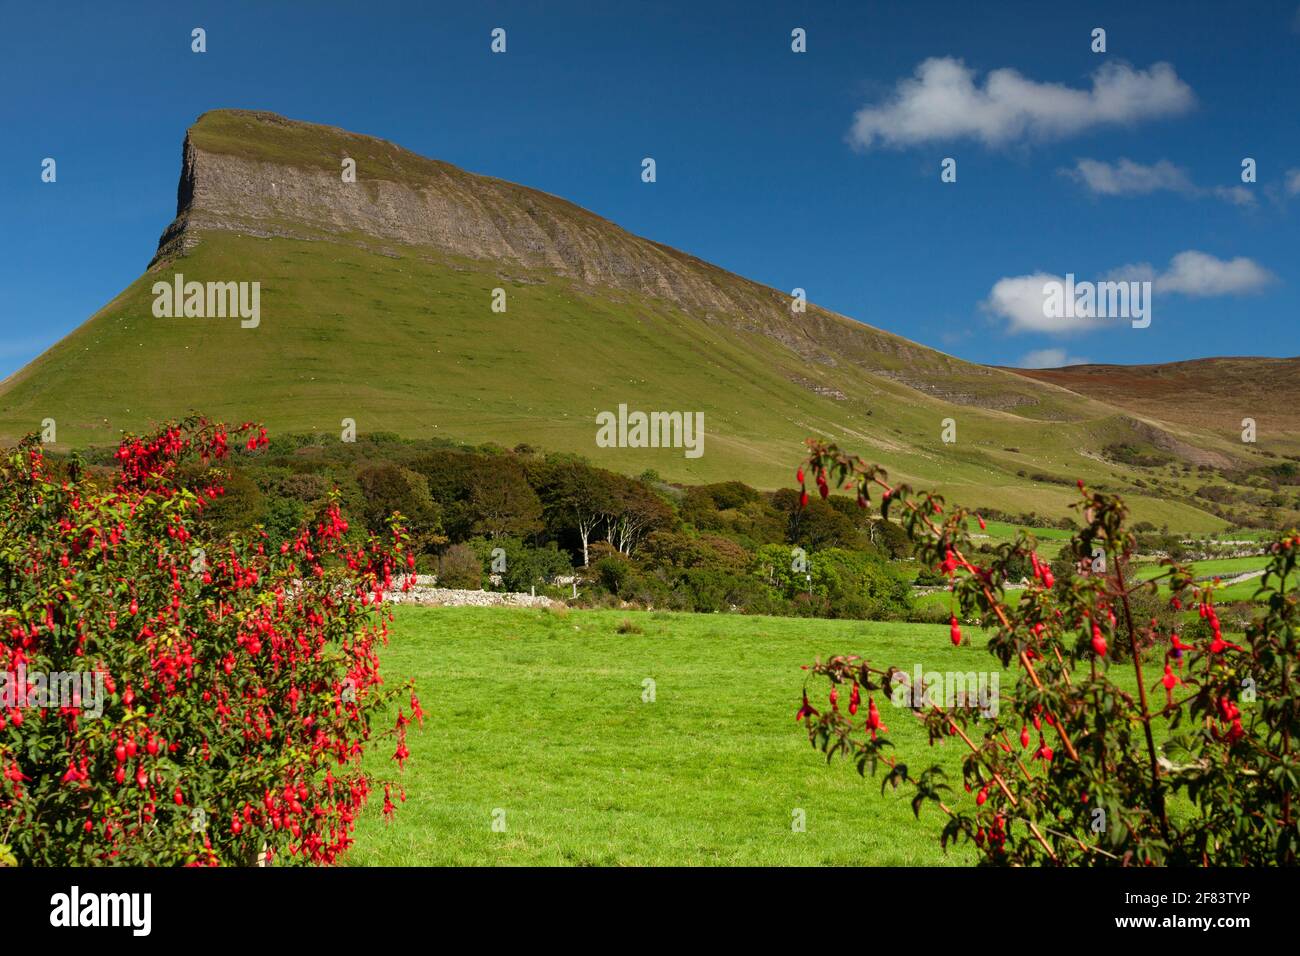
x: 540, y: 715
x: 1218, y: 567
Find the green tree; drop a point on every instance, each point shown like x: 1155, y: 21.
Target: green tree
x: 387, y: 488
x: 503, y: 503
x: 575, y: 498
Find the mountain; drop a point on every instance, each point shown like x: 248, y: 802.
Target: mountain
x: 376, y: 305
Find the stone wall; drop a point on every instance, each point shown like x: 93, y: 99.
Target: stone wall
x: 425, y: 594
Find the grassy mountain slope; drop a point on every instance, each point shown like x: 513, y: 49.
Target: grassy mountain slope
x: 376, y: 306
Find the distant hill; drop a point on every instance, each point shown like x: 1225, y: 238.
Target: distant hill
x: 375, y: 305
x: 1212, y: 393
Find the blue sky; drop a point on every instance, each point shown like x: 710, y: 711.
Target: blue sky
x: 818, y: 170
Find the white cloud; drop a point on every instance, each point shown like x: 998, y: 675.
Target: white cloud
x: 1199, y: 274
x: 1293, y: 182
x: 1133, y: 272
x: 1127, y: 178
x: 1019, y: 300
x: 943, y: 101
x: 1237, y: 195
x: 1050, y: 358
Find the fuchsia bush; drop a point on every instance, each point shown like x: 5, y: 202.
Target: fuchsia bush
x: 239, y: 680
x: 1070, y: 769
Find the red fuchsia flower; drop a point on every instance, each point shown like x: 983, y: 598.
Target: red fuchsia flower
x: 807, y: 710
x: 873, y: 719
x: 1219, y: 645
x: 416, y: 709
x: 1170, y: 681
x: 1236, y: 732
x: 980, y: 519
x: 855, y: 698
x: 835, y: 699
x: 954, y: 631
x: 1098, y: 641
x: 1044, y: 752
x: 1024, y: 737
x: 982, y: 796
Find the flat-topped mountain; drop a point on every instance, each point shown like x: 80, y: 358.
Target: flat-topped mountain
x: 376, y: 304
x: 259, y: 174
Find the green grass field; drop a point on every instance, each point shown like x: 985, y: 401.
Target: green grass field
x: 1225, y: 568
x: 1218, y: 567
x: 540, y: 715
